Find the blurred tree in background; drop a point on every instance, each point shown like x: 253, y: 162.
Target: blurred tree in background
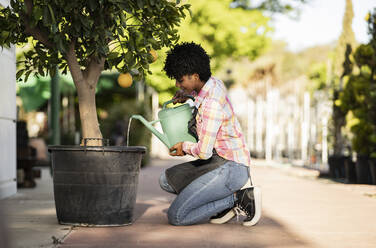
x: 274, y: 6
x: 341, y: 68
x: 328, y: 76
x: 224, y: 32
x: 358, y: 99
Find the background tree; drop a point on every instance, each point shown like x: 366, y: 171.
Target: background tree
x: 223, y: 31
x: 341, y: 67
x: 87, y: 37
x: 274, y: 6
x: 358, y: 99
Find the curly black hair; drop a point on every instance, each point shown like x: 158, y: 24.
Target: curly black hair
x: 187, y: 58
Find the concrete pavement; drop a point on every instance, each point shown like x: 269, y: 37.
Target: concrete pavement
x: 31, y: 216
x: 299, y: 210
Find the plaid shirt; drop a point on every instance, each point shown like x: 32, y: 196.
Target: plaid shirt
x: 217, y: 126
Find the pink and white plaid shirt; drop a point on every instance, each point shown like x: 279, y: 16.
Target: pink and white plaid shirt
x: 217, y: 126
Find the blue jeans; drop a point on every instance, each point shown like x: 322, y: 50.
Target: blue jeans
x: 207, y: 195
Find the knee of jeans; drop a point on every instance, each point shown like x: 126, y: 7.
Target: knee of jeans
x: 161, y: 179
x: 173, y: 218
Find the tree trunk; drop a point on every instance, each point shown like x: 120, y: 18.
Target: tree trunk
x: 86, y: 82
x: 88, y: 113
x: 339, y: 120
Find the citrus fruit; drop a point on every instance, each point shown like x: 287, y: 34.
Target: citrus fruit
x: 125, y: 80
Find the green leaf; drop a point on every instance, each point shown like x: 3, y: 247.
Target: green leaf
x: 37, y: 13
x: 51, y: 13
x: 19, y: 73
x: 27, y: 75
x: 54, y: 28
x: 123, y: 19
x: 4, y: 34
x: 140, y: 4
x: 40, y: 70
x: 121, y: 32
x: 60, y: 45
x: 113, y: 55
x: 46, y: 17
x: 93, y: 4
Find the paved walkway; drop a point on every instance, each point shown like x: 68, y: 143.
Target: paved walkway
x: 299, y: 210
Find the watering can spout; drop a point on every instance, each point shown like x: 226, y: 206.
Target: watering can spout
x: 149, y: 125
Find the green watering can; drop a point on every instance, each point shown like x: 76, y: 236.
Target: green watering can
x: 174, y: 122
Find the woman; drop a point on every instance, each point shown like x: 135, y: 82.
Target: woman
x: 218, y: 182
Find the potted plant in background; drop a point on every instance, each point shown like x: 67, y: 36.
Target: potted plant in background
x: 354, y: 103
x: 93, y: 184
x: 359, y: 101
x: 342, y: 67
x: 370, y: 62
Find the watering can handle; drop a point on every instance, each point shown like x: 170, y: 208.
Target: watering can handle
x: 172, y: 100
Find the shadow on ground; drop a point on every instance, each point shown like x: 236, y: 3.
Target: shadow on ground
x: 152, y: 230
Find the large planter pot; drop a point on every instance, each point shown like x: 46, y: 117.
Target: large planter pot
x: 95, y: 185
x: 337, y: 166
x: 363, y: 173
x: 372, y: 164
x: 350, y: 173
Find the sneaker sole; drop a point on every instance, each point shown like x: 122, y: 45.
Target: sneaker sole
x: 256, y: 218
x: 224, y: 219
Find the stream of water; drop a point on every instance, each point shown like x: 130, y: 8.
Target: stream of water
x: 129, y: 128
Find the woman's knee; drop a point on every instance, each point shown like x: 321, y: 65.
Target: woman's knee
x: 173, y: 218
x: 162, y: 179
x: 164, y: 184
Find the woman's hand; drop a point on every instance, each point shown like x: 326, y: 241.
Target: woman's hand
x: 180, y: 97
x: 177, y: 150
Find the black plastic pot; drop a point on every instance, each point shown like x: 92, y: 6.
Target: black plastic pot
x: 350, y: 173
x: 372, y: 164
x: 337, y: 166
x: 363, y: 173
x: 95, y: 185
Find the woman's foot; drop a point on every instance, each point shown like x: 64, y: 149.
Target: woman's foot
x: 248, y: 203
x: 223, y: 217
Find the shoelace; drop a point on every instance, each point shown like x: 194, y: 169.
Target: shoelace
x: 238, y: 211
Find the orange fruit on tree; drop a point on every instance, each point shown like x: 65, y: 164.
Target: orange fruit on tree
x: 125, y: 80
x: 154, y: 54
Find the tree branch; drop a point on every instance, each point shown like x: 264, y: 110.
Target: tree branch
x: 93, y: 70
x: 35, y: 32
x: 73, y: 64
x: 29, y: 7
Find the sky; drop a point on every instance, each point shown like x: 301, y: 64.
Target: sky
x: 321, y: 23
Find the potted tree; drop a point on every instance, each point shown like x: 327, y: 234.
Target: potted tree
x: 370, y: 62
x: 93, y: 184
x: 358, y: 100
x: 342, y: 67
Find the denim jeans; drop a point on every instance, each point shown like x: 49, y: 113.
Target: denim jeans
x: 207, y: 195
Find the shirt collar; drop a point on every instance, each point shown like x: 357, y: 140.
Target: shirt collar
x: 204, y: 92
